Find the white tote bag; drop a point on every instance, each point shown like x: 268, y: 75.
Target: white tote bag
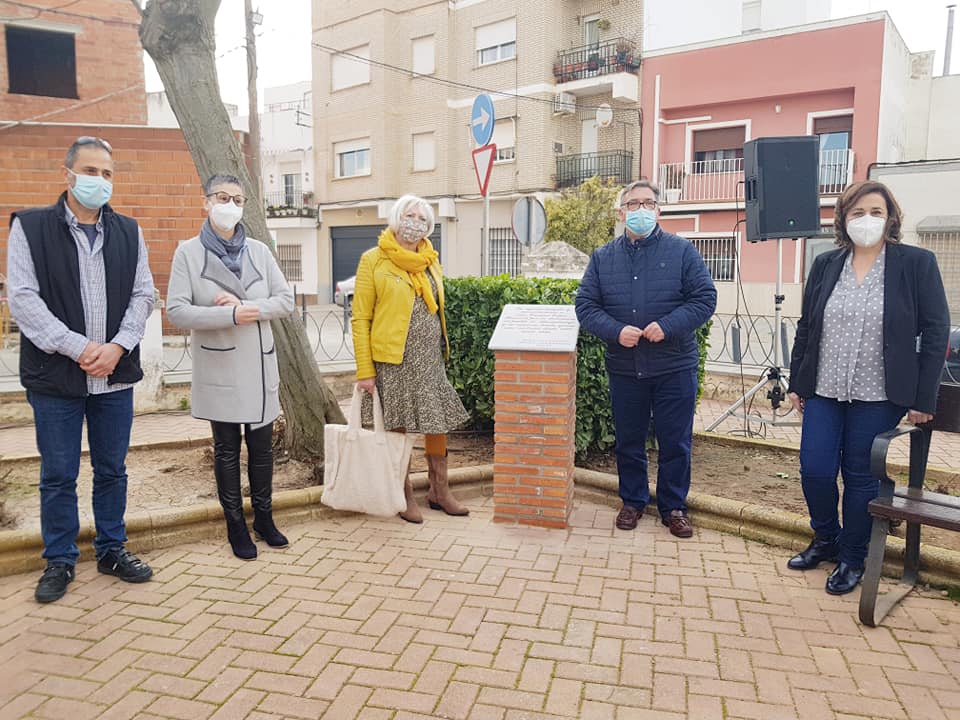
x: 364, y: 470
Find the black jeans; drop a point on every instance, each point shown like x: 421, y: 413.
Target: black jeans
x: 226, y: 467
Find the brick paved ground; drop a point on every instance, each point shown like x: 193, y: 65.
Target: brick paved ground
x: 462, y: 618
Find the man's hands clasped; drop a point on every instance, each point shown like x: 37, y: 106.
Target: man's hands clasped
x: 98, y: 360
x: 630, y: 335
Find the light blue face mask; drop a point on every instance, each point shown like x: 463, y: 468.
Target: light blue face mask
x: 93, y: 192
x: 641, y: 222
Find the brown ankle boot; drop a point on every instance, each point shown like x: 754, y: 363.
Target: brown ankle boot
x: 439, y: 495
x: 412, y: 514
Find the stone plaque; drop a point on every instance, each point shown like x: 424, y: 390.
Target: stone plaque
x: 542, y: 328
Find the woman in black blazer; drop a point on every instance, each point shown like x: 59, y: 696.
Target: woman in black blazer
x: 869, y: 347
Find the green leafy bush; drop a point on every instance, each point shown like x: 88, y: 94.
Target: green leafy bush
x: 583, y: 216
x: 473, y: 307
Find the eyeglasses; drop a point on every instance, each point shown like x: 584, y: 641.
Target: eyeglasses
x: 637, y: 204
x: 91, y: 140
x: 223, y: 198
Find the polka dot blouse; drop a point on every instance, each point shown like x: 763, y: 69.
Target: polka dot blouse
x: 851, y: 347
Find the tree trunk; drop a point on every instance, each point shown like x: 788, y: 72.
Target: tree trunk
x: 179, y: 36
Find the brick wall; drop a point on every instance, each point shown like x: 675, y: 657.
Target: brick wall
x: 109, y: 61
x: 155, y: 182
x: 534, y: 433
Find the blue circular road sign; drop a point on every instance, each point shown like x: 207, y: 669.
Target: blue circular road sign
x: 482, y: 119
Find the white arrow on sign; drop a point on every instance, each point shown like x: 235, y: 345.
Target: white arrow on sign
x: 483, y: 119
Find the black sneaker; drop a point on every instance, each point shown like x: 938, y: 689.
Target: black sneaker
x: 53, y: 583
x: 124, y: 565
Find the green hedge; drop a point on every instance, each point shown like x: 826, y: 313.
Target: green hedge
x: 473, y: 307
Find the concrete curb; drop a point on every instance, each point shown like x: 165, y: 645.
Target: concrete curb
x: 20, y: 549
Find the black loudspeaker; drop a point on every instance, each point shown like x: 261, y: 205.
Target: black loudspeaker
x: 781, y: 176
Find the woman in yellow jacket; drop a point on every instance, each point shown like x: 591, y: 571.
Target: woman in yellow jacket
x: 400, y: 342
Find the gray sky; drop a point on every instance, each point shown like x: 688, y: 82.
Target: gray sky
x: 283, y: 45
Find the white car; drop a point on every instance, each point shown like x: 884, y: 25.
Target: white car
x: 343, y: 292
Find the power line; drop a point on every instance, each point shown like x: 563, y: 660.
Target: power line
x: 437, y: 80
x: 58, y: 10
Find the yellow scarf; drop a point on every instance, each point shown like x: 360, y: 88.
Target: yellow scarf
x: 414, y: 263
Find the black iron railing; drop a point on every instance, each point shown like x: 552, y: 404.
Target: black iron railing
x: 609, y: 56
x: 294, y: 203
x: 616, y: 165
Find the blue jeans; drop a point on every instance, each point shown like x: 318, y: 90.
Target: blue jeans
x: 59, y: 426
x: 671, y: 399
x: 837, y: 437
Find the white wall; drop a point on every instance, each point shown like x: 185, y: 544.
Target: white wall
x: 918, y: 107
x: 943, y: 140
x: 894, y: 97
x: 306, y: 238
x: 160, y: 114
x: 921, y: 191
x: 668, y: 23
x: 286, y: 136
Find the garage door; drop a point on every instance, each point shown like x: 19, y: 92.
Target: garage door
x: 349, y: 243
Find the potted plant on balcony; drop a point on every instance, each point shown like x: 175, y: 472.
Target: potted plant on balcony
x: 624, y: 49
x: 593, y: 62
x: 673, y: 182
x: 603, y: 24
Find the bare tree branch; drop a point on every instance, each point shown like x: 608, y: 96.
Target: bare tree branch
x: 179, y: 36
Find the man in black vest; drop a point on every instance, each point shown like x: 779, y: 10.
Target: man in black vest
x: 81, y: 291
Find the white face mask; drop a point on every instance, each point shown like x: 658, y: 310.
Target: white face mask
x: 867, y: 230
x: 226, y: 215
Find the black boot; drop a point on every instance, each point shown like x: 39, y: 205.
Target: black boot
x: 226, y: 469
x: 844, y: 579
x: 822, y: 549
x: 239, y: 538
x: 260, y: 470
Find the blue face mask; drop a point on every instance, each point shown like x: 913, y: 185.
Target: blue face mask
x: 641, y: 222
x: 93, y: 192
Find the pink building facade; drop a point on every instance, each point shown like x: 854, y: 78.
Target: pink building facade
x: 846, y: 81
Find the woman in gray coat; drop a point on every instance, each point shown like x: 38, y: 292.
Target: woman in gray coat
x: 225, y: 288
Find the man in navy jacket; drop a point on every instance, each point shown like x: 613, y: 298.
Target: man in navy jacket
x: 645, y: 294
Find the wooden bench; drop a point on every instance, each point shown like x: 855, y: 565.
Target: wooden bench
x: 912, y: 505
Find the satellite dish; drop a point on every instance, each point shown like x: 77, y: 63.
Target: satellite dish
x: 604, y: 116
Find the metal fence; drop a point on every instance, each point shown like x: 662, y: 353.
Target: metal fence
x: 946, y: 246
x: 602, y: 58
x: 720, y: 256
x: 506, y: 252
x: 616, y: 165
x: 328, y: 334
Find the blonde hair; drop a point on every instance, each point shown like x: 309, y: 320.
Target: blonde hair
x: 403, y: 205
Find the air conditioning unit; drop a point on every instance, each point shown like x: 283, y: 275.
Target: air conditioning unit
x: 564, y: 103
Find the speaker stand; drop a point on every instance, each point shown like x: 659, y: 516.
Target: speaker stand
x: 775, y: 379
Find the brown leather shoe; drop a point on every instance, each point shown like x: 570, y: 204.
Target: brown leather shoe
x: 627, y: 517
x: 679, y: 524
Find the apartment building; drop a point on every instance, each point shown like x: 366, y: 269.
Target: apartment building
x: 287, y: 176
x: 394, y: 84
x: 849, y: 82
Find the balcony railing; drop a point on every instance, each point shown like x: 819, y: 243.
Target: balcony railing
x: 616, y: 165
x: 836, y: 171
x: 289, y: 204
x: 610, y: 56
x: 710, y: 180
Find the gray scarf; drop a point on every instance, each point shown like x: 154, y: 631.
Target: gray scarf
x: 229, y: 251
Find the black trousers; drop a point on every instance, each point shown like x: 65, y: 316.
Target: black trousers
x: 226, y: 467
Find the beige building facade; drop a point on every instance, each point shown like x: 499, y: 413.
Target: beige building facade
x: 394, y: 84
